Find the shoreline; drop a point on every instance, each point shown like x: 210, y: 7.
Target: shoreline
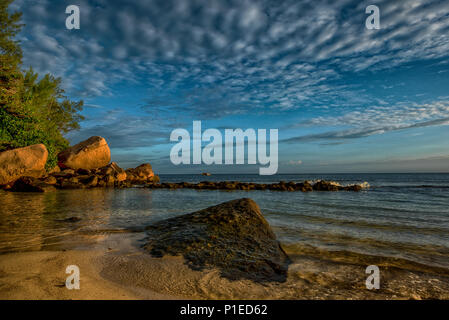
x: 117, y: 268
x: 44, y: 278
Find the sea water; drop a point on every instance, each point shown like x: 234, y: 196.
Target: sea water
x: 402, y: 216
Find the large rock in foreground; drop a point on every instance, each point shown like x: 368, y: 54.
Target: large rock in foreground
x: 92, y: 153
x: 233, y: 236
x: 28, y: 161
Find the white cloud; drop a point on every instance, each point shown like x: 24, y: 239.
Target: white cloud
x: 243, y: 56
x: 377, y: 120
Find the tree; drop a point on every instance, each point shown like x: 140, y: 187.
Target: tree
x: 32, y: 109
x: 11, y: 57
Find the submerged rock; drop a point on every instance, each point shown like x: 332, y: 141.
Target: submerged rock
x: 20, y: 162
x: 30, y: 184
x: 291, y: 186
x: 327, y: 186
x: 71, y: 184
x: 89, y: 154
x: 232, y: 236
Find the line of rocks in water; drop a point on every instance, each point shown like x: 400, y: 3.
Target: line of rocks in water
x: 305, y: 186
x: 110, y: 176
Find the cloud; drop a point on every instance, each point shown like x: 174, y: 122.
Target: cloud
x: 361, y: 133
x: 146, y: 67
x: 217, y: 58
x: 376, y: 120
x: 122, y: 130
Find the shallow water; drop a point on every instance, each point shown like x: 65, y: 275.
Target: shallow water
x: 402, y: 216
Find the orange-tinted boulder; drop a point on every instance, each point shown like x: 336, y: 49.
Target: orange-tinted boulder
x: 143, y: 173
x: 113, y: 170
x: 29, y: 161
x: 92, y: 153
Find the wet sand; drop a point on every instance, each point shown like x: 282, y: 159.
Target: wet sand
x: 117, y: 268
x: 41, y: 274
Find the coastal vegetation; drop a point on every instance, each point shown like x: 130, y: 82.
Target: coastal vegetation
x: 33, y: 109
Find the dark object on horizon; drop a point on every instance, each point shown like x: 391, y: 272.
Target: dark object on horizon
x: 232, y: 236
x: 206, y: 174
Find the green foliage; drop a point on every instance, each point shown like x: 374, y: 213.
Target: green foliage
x: 10, y: 58
x: 18, y: 132
x: 10, y: 27
x: 32, y: 110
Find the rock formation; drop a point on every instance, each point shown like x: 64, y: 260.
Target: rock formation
x: 115, y: 171
x: 142, y: 174
x: 92, y: 153
x: 291, y: 186
x: 28, y: 161
x: 30, y: 184
x: 232, y: 236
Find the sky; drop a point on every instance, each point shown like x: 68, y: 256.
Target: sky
x: 343, y: 98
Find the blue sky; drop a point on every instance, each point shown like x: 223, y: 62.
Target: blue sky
x: 344, y: 98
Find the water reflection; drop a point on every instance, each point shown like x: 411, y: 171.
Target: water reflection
x: 32, y: 221
x: 404, y: 224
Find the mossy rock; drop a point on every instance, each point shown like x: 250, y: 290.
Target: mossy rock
x: 232, y: 236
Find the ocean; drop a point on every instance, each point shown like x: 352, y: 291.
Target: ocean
x: 402, y: 217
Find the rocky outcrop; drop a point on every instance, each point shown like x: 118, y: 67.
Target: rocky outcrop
x: 30, y: 184
x: 327, y: 186
x: 113, y: 170
x: 141, y: 175
x: 232, y: 236
x: 28, y: 161
x: 108, y: 176
x: 322, y: 185
x: 85, y: 165
x: 291, y: 186
x: 92, y: 153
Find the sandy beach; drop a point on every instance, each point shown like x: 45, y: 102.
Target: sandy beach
x: 104, y: 237
x: 41, y: 275
x: 117, y: 269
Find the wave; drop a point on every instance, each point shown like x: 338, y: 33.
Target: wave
x: 296, y: 251
x: 371, y: 225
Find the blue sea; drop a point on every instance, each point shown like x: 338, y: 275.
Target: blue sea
x: 401, y: 216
